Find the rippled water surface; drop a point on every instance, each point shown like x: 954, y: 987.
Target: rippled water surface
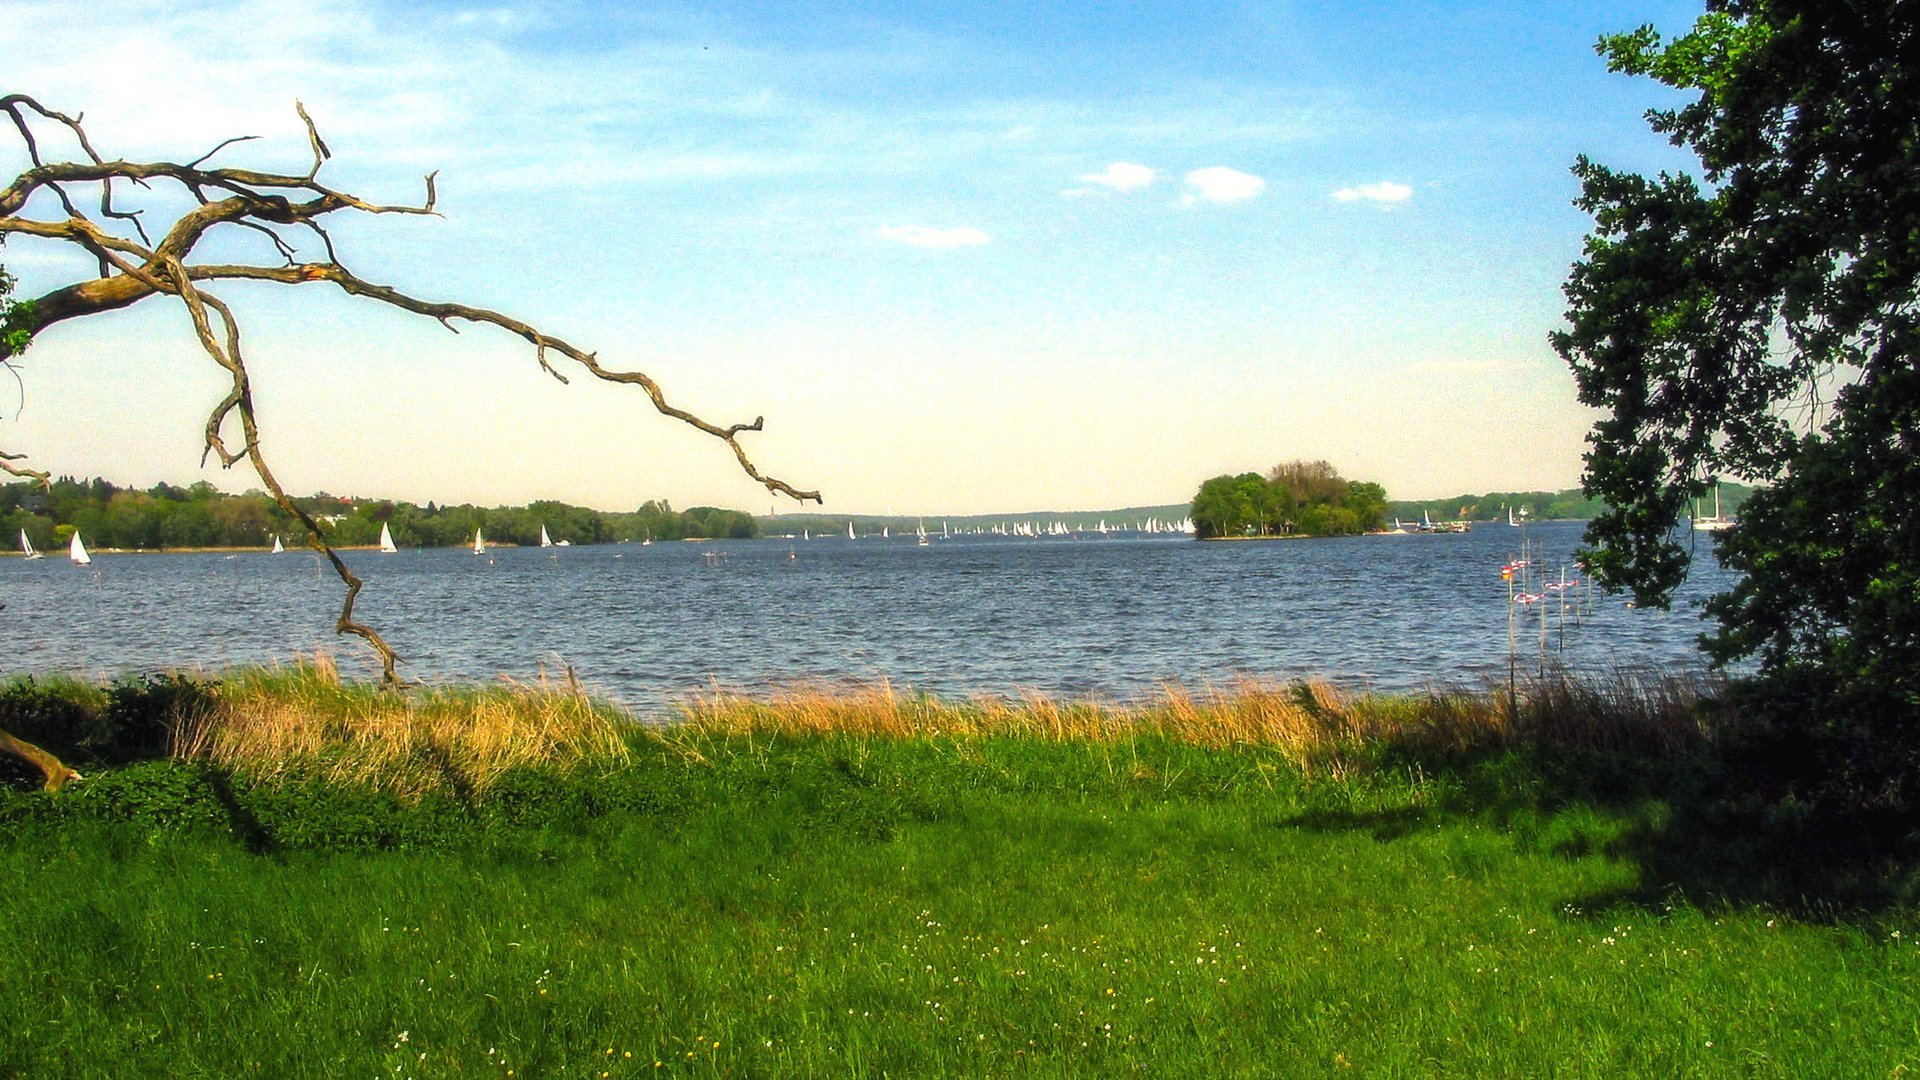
x: 1107, y: 617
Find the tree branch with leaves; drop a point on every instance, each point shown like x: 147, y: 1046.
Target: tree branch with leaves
x: 1763, y: 321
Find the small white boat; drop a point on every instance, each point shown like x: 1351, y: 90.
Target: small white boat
x: 77, y: 551
x: 479, y: 542
x: 545, y: 540
x: 278, y: 547
x: 386, y: 540
x: 26, y: 546
x: 1716, y: 523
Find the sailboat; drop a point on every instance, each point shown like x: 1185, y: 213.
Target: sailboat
x: 77, y: 551
x: 1716, y: 523
x: 850, y: 535
x: 26, y: 546
x: 479, y: 542
x: 920, y: 532
x: 277, y: 546
x: 545, y: 540
x: 386, y: 540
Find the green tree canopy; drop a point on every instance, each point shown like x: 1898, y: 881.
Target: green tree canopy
x: 1299, y: 498
x: 1762, y: 321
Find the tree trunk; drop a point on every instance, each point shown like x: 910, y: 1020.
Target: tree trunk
x: 56, y: 771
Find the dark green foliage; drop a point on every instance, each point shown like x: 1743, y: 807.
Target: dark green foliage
x: 1299, y: 498
x: 84, y: 725
x: 16, y: 318
x: 1712, y: 320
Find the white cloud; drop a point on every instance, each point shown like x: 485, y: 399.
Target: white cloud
x: 1386, y: 193
x: 1122, y: 176
x: 1222, y: 185
x: 924, y: 236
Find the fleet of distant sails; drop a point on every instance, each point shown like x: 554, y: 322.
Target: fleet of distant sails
x: 77, y: 549
x: 1033, y: 529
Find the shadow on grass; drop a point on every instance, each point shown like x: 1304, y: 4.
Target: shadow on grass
x: 1755, y: 822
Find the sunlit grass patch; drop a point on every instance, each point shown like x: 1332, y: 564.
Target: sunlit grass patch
x: 265, y: 722
x: 1315, y: 725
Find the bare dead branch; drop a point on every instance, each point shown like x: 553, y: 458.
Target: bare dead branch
x: 240, y: 400
x: 266, y: 202
x: 320, y: 151
x: 56, y: 772
x: 224, y: 143
x: 7, y: 464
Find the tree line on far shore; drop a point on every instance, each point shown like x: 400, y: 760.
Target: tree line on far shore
x: 1568, y: 504
x: 167, y: 516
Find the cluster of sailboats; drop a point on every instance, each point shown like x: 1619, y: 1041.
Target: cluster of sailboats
x: 388, y: 547
x: 1026, y: 528
x: 77, y: 548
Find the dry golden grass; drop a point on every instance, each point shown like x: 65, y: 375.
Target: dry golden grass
x: 304, y: 719
x: 1313, y: 724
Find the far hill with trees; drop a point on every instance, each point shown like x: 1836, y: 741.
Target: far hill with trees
x: 1568, y: 504
x: 200, y: 516
x: 1298, y: 498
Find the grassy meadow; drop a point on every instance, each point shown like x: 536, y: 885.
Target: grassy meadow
x: 305, y: 878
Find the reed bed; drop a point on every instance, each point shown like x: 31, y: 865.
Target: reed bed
x: 303, y: 720
x: 1313, y: 724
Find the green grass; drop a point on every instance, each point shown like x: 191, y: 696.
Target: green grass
x: 738, y: 903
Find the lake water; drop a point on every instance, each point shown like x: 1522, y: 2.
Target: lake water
x: 1107, y: 617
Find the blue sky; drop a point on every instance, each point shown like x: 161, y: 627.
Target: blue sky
x: 963, y: 258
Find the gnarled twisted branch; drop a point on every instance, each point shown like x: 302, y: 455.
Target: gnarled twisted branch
x: 286, y: 208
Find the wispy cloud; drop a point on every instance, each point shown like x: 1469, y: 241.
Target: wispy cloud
x: 1385, y: 192
x: 925, y: 236
x: 1121, y: 176
x: 1220, y: 184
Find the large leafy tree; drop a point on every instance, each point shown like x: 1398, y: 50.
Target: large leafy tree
x: 1761, y: 321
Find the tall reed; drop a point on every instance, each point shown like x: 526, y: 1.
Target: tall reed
x: 1312, y: 723
x: 304, y: 720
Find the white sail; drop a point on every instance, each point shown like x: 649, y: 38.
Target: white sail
x: 26, y: 546
x: 545, y: 540
x: 850, y: 535
x: 386, y: 539
x: 278, y: 547
x: 77, y: 551
x: 479, y: 542
x: 1716, y: 523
